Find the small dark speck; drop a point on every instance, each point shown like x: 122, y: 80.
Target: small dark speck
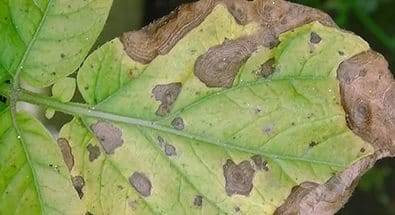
x: 313, y: 143
x: 341, y: 53
x: 237, y: 209
x: 310, y: 115
x: 198, y: 200
x: 62, y: 55
x: 315, y: 38
x: 363, y: 150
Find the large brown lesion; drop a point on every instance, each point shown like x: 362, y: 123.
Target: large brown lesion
x: 368, y: 90
x: 274, y: 17
x: 161, y: 36
x: 220, y: 65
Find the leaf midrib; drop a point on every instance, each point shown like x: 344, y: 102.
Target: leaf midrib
x: 84, y: 110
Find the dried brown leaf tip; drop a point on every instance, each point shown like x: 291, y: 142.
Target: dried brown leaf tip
x: 368, y: 97
x: 238, y: 177
x: 311, y: 198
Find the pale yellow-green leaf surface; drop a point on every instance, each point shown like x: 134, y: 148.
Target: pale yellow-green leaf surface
x: 136, y: 162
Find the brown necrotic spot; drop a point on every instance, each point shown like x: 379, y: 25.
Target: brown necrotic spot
x: 161, y: 36
x: 133, y: 204
x: 78, y: 183
x: 167, y: 95
x: 170, y: 150
x: 94, y: 152
x: 266, y: 69
x: 161, y: 141
x: 313, y: 143
x: 178, y: 123
x: 238, y: 178
x: 260, y: 163
x: 268, y: 129
x: 141, y: 183
x: 315, y: 38
x: 219, y: 66
x: 66, y: 152
x: 109, y: 136
x: 198, y: 201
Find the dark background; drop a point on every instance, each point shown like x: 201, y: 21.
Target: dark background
x: 371, y: 19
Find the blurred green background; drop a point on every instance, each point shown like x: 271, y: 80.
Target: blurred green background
x: 372, y: 19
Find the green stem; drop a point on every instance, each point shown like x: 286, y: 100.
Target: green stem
x: 82, y: 110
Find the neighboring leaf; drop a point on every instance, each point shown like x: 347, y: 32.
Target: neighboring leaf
x: 63, y: 90
x: 48, y: 39
x: 33, y: 176
x: 218, y: 150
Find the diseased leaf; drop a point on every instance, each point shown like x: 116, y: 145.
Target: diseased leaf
x: 63, y: 90
x: 48, y: 39
x: 33, y: 176
x: 177, y: 139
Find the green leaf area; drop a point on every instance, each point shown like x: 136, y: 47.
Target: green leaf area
x: 33, y: 177
x: 46, y: 40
